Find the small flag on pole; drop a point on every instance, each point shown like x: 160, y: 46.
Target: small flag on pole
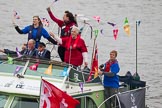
x: 16, y: 15
x: 49, y: 70
x: 45, y: 22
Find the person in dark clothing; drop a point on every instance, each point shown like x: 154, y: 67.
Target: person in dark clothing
x: 29, y: 51
x: 65, y: 25
x: 42, y: 52
x: 35, y: 31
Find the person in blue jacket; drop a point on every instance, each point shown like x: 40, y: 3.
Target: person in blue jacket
x: 111, y: 80
x: 35, y: 31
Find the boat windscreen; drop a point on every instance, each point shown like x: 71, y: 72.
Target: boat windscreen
x: 22, y: 102
x: 10, y: 68
x: 3, y: 99
x: 53, y: 71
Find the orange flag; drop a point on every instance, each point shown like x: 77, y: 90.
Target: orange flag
x: 126, y: 27
x: 49, y: 70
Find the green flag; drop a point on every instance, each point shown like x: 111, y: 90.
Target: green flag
x: 96, y: 33
x: 10, y: 60
x: 126, y: 21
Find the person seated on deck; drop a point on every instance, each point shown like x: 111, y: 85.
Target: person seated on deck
x: 65, y: 24
x: 35, y: 31
x: 76, y: 50
x: 111, y: 79
x: 42, y: 52
x: 30, y: 50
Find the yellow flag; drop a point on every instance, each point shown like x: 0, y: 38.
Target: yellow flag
x: 96, y: 73
x: 49, y: 70
x: 127, y: 29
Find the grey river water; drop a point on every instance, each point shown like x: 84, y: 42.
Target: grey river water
x: 149, y: 33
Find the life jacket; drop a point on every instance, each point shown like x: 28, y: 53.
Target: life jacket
x: 74, y: 46
x: 43, y: 54
x: 32, y: 53
x: 66, y: 29
x: 38, y: 35
x: 108, y: 65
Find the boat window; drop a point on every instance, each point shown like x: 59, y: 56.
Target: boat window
x: 3, y: 99
x: 22, y: 102
x: 10, y: 68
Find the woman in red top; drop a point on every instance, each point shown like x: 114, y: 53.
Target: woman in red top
x: 65, y: 25
x: 76, y: 50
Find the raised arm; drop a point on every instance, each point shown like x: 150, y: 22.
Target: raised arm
x: 58, y: 21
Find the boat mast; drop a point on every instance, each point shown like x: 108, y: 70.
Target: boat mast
x: 136, y: 48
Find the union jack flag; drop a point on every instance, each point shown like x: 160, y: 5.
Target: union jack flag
x: 45, y: 22
x: 16, y: 15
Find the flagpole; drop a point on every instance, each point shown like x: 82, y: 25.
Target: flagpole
x: 94, y: 43
x: 40, y: 92
x: 136, y: 49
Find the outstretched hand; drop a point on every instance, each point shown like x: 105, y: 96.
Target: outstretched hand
x: 100, y: 72
x: 51, y: 34
x: 48, y: 9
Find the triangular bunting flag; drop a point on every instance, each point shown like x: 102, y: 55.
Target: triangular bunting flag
x: 10, y: 60
x: 18, y: 53
x: 64, y: 72
x: 115, y: 32
x: 49, y: 70
x: 18, y: 68
x: 138, y: 23
x: 81, y: 86
x: 97, y: 18
x: 101, y: 31
x: 126, y: 27
x: 96, y: 33
x: 112, y: 24
x: 34, y: 67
